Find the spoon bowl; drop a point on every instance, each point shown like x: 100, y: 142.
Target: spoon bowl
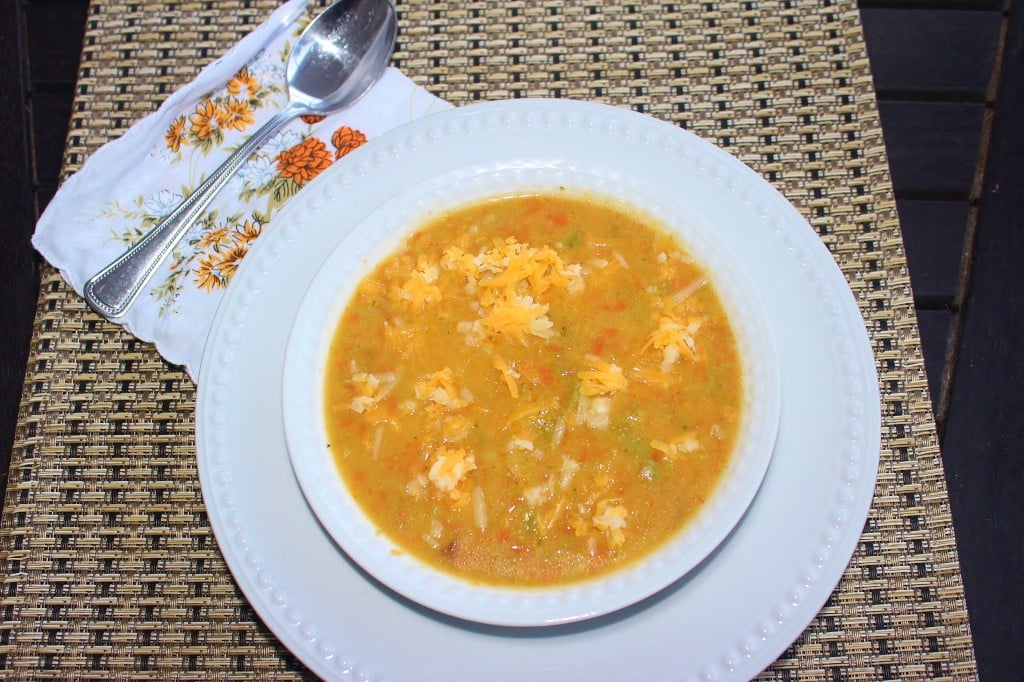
x: 340, y: 55
x: 335, y: 60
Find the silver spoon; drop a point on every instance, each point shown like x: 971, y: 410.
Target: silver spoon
x: 335, y: 60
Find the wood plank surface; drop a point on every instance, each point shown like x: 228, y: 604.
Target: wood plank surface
x: 933, y: 5
x: 55, y: 29
x: 933, y: 147
x: 985, y: 429
x: 18, y: 264
x: 935, y: 327
x: 933, y: 236
x: 50, y: 113
x: 932, y: 55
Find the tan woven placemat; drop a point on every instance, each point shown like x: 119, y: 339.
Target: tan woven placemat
x: 110, y: 570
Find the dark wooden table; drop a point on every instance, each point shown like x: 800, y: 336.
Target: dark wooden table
x: 949, y: 75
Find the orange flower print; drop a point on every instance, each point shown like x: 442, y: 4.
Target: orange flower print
x: 247, y: 233
x: 346, y: 139
x: 207, y: 278
x: 238, y: 115
x: 229, y: 262
x: 243, y: 80
x: 312, y: 118
x: 175, y: 136
x: 304, y: 161
x: 215, y: 237
x: 225, y: 248
x: 205, y: 121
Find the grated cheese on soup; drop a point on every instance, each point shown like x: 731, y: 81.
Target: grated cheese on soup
x: 611, y: 520
x: 449, y: 468
x: 602, y: 378
x: 517, y: 393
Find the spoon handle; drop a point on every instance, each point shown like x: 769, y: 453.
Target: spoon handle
x: 113, y: 290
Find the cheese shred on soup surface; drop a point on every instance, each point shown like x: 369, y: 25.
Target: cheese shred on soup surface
x: 533, y: 390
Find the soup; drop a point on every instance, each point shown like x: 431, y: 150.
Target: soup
x: 533, y: 390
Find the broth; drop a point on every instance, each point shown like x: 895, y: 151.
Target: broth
x: 534, y: 390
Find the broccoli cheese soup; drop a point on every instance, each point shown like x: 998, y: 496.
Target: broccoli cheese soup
x: 533, y: 390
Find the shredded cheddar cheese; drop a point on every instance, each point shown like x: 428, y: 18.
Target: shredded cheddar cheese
x: 455, y: 428
x: 507, y: 279
x: 370, y: 390
x: 517, y: 317
x: 674, y: 337
x: 507, y: 373
x: 458, y: 260
x: 449, y: 468
x: 603, y: 378
x: 439, y: 391
x: 509, y: 264
x: 682, y: 444
x: 472, y: 330
x: 515, y: 395
x: 421, y: 287
x: 611, y: 520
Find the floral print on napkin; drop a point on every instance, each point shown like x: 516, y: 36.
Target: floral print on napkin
x: 129, y: 185
x: 209, y: 256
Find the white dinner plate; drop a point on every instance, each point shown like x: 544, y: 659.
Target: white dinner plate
x: 309, y: 355
x: 729, y: 617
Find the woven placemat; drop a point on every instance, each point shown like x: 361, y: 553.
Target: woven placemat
x: 110, y: 570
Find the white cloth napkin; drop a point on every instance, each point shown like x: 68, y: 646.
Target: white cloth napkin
x: 128, y: 185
